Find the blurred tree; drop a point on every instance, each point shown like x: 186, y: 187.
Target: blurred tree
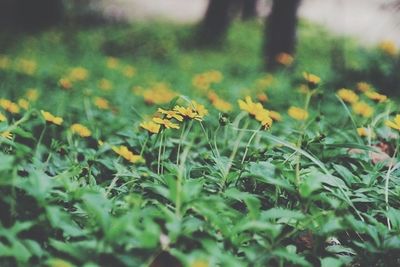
x: 36, y: 14
x: 216, y: 22
x: 249, y: 9
x: 280, y: 31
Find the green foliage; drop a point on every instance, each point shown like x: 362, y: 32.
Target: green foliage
x: 220, y: 192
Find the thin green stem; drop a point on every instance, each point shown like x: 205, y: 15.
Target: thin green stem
x: 180, y: 143
x: 248, y: 144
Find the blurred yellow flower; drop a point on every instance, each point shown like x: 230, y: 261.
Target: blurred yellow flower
x: 347, y: 95
x: 388, y: 47
x: 32, y: 94
x: 166, y: 123
x: 26, y: 66
x: 23, y: 103
x: 376, y: 96
x: 124, y: 152
x: 219, y: 103
x: 151, y: 127
x: 298, y: 113
x: 78, y: 74
x: 364, y: 87
x: 129, y: 71
x: 105, y: 85
x: 112, y: 62
x: 159, y: 93
x: 9, y: 106
x: 204, y: 80
x: 101, y: 103
x: 2, y: 117
x: 65, y: 83
x: 395, y: 124
x: 363, y: 109
x: 284, y: 59
x: 81, y: 130
x: 312, y: 79
x: 276, y: 116
x: 51, y: 118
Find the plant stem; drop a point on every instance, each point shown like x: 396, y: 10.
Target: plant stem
x: 248, y: 144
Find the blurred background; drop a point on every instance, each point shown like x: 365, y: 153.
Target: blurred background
x: 370, y: 23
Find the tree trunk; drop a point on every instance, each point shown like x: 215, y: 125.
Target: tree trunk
x: 280, y: 31
x: 215, y: 23
x: 249, y: 9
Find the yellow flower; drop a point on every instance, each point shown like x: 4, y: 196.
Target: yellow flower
x: 199, y: 108
x: 364, y: 87
x: 32, y: 94
x: 124, y: 152
x: 347, y: 95
x: 151, y: 127
x: 170, y: 114
x: 298, y: 113
x: 51, y: 118
x: 203, y: 81
x: 105, y: 85
x: 388, y: 47
x: 284, y: 59
x: 159, y: 93
x: 312, y: 79
x: 23, y: 103
x: 256, y: 110
x: 249, y: 106
x: 65, y: 83
x: 81, y: 130
x: 101, y: 103
x: 9, y: 106
x: 365, y: 132
x: 376, y: 96
x: 275, y: 115
x: 129, y: 71
x: 112, y: 62
x: 7, y: 135
x: 363, y: 109
x: 187, y: 112
x: 263, y: 117
x: 395, y: 124
x: 2, y: 117
x: 78, y: 74
x: 166, y: 123
x: 219, y: 103
x: 26, y: 66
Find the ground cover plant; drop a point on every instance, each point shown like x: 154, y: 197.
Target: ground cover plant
x: 125, y: 146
